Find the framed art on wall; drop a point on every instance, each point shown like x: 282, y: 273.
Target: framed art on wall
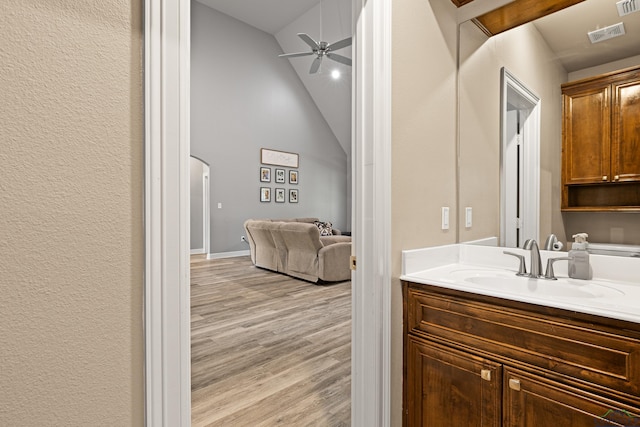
x: 293, y: 196
x: 280, y: 195
x: 280, y: 176
x: 293, y: 177
x: 278, y: 158
x: 265, y: 174
x: 265, y: 194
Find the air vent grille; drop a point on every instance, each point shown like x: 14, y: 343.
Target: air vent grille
x: 626, y: 7
x: 606, y: 33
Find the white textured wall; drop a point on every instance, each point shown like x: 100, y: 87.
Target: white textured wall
x: 424, y: 145
x: 71, y: 245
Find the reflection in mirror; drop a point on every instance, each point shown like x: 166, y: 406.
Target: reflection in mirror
x: 520, y: 162
x: 542, y: 55
x: 481, y: 60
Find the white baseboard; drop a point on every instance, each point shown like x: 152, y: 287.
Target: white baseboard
x: 220, y: 255
x: 197, y: 251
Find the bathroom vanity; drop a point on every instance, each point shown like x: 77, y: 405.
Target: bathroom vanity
x: 483, y: 347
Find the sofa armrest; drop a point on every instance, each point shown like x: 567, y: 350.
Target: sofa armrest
x: 333, y: 262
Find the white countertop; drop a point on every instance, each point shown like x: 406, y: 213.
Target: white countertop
x: 613, y: 292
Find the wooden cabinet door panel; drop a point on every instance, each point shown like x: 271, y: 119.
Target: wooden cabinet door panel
x: 533, y: 402
x: 586, y: 135
x: 625, y: 150
x: 451, y: 388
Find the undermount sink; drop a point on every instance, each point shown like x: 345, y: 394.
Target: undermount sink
x: 509, y: 282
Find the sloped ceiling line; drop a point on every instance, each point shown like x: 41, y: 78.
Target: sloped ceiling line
x: 284, y: 19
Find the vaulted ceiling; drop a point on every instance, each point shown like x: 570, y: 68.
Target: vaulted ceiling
x: 326, y: 20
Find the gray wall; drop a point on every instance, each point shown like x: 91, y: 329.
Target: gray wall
x: 243, y: 98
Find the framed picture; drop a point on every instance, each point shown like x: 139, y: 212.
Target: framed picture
x: 293, y: 177
x: 280, y: 195
x: 280, y: 176
x: 265, y: 174
x: 265, y: 194
x: 278, y: 158
x: 293, y: 196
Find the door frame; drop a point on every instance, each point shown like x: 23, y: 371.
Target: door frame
x: 167, y: 149
x: 531, y: 175
x: 206, y: 206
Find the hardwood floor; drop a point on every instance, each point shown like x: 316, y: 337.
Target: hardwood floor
x: 267, y: 349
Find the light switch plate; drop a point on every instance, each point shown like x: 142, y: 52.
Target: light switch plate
x: 468, y: 217
x: 445, y: 218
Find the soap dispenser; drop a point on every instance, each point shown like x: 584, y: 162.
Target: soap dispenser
x: 579, y: 267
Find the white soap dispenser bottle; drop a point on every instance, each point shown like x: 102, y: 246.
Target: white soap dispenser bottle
x: 579, y: 267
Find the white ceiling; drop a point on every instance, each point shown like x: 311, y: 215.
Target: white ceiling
x: 566, y: 34
x: 267, y: 15
x: 323, y: 20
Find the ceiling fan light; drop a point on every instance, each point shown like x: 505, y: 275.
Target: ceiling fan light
x: 335, y: 74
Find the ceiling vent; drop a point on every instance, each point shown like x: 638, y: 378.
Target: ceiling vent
x: 606, y: 33
x: 626, y: 7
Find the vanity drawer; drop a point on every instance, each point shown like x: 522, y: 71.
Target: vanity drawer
x: 594, y: 354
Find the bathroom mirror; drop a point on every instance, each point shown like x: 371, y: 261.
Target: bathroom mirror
x: 540, y: 56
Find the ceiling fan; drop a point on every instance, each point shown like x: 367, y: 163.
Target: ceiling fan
x: 321, y: 49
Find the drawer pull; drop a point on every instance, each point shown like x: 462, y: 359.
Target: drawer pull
x: 485, y: 374
x: 514, y: 384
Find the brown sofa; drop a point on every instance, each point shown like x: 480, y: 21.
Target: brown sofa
x: 295, y: 247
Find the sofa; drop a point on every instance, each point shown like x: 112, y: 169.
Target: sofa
x: 296, y: 248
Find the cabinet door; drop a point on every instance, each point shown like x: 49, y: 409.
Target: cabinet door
x: 531, y: 401
x: 445, y: 388
x: 625, y: 153
x: 586, y: 135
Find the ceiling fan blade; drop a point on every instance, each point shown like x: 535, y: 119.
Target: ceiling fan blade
x: 293, y: 55
x: 308, y: 40
x: 339, y: 58
x: 340, y: 44
x: 315, y: 65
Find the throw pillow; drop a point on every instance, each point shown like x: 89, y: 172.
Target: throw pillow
x: 324, y: 227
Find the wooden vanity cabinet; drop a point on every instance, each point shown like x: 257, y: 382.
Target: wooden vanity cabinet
x: 472, y: 360
x: 601, y: 142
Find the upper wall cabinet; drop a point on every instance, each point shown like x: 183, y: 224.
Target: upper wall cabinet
x: 601, y: 142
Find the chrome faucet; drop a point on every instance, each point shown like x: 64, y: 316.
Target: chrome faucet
x: 550, y: 275
x: 551, y: 240
x: 536, y: 263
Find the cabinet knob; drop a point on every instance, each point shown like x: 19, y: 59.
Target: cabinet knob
x: 617, y: 177
x: 485, y: 374
x: 514, y: 384
x: 604, y: 178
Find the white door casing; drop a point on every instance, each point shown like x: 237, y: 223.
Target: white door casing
x: 166, y: 299
x: 515, y: 93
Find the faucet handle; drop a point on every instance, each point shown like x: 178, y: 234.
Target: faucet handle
x: 550, y: 275
x: 522, y: 269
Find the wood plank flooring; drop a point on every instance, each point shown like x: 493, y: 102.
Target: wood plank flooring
x: 267, y: 349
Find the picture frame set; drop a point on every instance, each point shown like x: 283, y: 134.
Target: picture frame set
x: 278, y: 158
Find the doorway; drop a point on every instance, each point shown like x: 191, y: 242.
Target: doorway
x: 166, y: 301
x: 199, y: 205
x: 520, y: 162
